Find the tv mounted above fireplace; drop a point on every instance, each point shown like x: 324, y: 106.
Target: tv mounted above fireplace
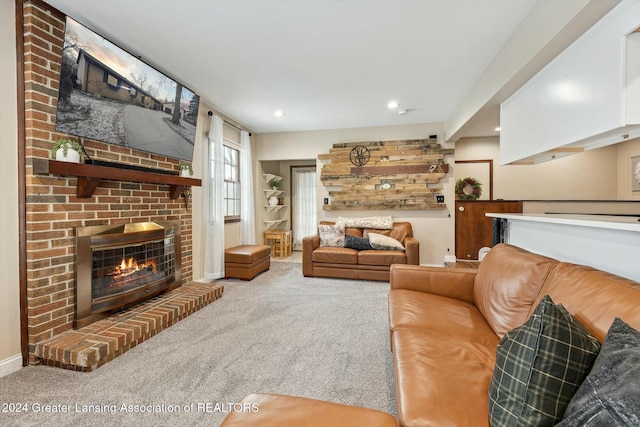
x: 107, y: 94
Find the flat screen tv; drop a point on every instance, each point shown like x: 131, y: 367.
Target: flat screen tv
x: 107, y: 94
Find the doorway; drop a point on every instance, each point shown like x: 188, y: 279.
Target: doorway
x: 304, y: 217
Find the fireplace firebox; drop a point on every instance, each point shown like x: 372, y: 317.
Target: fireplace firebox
x: 118, y: 266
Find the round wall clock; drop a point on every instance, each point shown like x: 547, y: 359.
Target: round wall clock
x: 359, y: 155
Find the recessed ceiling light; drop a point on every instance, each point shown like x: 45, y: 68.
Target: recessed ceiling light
x: 278, y: 113
x: 497, y: 129
x: 392, y: 104
x: 403, y: 111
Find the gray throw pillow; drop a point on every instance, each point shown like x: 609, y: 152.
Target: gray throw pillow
x: 610, y: 395
x: 539, y: 367
x: 358, y: 243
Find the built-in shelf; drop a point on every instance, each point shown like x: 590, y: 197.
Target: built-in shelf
x: 89, y: 176
x: 268, y: 193
x: 268, y: 177
x: 274, y: 208
x: 272, y: 224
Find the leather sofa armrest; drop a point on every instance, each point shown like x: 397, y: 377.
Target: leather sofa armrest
x: 412, y: 250
x: 448, y: 282
x: 309, y: 244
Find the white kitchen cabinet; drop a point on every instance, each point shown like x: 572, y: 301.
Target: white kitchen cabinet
x: 587, y: 97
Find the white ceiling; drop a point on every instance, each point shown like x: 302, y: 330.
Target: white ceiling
x: 327, y: 64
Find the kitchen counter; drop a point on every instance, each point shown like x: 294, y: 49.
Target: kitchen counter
x: 612, y: 222
x: 609, y: 243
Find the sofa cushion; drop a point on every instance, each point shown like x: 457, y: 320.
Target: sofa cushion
x: 441, y: 379
x: 268, y: 410
x: 331, y: 235
x: 610, y: 394
x: 400, y: 231
x: 331, y: 255
x: 358, y: 243
x: 381, y: 257
x: 589, y: 295
x: 350, y: 231
x: 430, y: 312
x: 539, y: 367
x: 508, y: 281
x: 380, y: 241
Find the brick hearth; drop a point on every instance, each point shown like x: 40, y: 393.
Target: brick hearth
x: 94, y: 345
x: 54, y: 211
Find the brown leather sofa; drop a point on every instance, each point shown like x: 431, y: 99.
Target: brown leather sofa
x: 349, y: 263
x: 445, y: 324
x: 275, y: 410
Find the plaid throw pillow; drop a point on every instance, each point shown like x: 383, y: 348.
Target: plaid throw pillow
x: 539, y: 367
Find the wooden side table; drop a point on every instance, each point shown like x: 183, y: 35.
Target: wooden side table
x: 280, y: 242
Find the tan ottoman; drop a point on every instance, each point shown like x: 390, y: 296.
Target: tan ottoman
x: 246, y: 261
x: 274, y: 410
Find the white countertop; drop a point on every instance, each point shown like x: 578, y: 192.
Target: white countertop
x: 596, y: 221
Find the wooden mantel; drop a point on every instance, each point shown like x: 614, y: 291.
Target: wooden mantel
x: 89, y: 176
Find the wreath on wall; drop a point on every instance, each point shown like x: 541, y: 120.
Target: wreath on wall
x: 468, y: 188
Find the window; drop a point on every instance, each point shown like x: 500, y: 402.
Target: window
x: 112, y: 81
x: 231, y: 184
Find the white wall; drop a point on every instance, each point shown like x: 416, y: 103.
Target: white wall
x: 591, y: 175
x: 434, y: 229
x: 625, y: 152
x: 10, y: 356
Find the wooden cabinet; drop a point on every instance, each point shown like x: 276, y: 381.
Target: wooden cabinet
x: 474, y: 230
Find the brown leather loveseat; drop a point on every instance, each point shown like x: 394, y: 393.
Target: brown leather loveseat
x: 347, y: 263
x: 445, y: 325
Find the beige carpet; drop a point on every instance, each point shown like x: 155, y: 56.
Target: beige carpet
x: 279, y: 333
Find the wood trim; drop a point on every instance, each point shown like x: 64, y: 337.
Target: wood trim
x: 490, y: 161
x: 22, y: 187
x: 89, y: 176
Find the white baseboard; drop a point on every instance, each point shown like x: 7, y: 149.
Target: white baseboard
x: 12, y: 364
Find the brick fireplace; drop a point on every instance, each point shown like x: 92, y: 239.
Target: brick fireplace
x: 53, y: 210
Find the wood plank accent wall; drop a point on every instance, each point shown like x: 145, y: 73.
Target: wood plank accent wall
x: 411, y: 169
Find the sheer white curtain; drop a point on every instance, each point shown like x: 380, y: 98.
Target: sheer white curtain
x: 212, y: 208
x: 305, y: 222
x: 247, y: 215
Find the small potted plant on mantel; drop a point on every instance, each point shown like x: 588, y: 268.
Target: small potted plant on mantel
x: 67, y: 150
x: 185, y: 170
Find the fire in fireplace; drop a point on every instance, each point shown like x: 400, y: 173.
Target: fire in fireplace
x: 119, y: 266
